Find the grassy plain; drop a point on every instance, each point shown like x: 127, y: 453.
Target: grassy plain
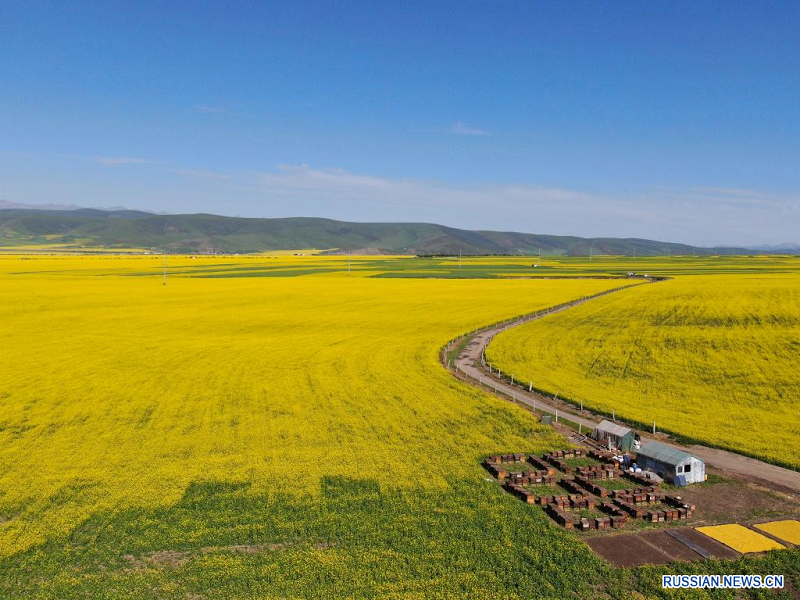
x: 288, y: 434
x: 713, y: 358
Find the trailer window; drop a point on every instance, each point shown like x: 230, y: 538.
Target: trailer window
x: 687, y: 468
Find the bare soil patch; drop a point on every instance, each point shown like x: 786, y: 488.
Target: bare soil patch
x: 628, y: 550
x: 713, y: 547
x: 738, y: 501
x: 656, y: 547
x: 669, y: 545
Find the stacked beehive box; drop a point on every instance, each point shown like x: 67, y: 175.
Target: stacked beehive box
x: 685, y: 509
x: 603, y: 456
x: 580, y: 502
x: 649, y: 495
x: 619, y: 521
x: 572, y: 485
x: 540, y: 464
x: 644, y: 501
x: 593, y: 488
x: 520, y: 492
x: 497, y: 471
x: 638, y: 478
x: 531, y: 478
x: 560, y: 516
x: 557, y: 460
x: 603, y: 523
x: 503, y: 459
x: 637, y: 512
x: 608, y: 471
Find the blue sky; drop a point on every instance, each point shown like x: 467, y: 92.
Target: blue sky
x: 669, y: 120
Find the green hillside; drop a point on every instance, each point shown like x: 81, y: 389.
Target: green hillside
x: 214, y: 233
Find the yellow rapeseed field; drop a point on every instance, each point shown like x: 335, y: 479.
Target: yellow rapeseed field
x: 117, y: 391
x: 740, y: 538
x: 713, y: 358
x: 788, y: 530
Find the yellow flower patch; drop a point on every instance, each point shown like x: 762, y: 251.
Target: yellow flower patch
x: 740, y: 538
x: 788, y: 530
x: 709, y: 356
x: 118, y: 391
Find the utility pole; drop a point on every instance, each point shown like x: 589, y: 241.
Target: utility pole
x: 590, y: 253
x: 348, y: 262
x: 165, y: 267
x: 459, y: 258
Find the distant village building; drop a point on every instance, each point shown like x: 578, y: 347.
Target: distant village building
x: 670, y: 463
x: 614, y: 436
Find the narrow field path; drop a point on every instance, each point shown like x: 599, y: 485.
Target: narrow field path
x: 468, y: 366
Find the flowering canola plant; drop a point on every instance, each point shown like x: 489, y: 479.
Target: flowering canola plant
x: 713, y: 358
x: 119, y: 391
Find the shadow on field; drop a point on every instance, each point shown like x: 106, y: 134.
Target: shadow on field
x: 353, y: 539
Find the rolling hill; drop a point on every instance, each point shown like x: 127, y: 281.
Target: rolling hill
x: 195, y: 233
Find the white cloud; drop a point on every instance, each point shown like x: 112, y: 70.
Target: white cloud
x: 705, y: 216
x: 459, y: 128
x: 728, y: 191
x: 418, y: 199
x: 697, y: 216
x: 120, y: 160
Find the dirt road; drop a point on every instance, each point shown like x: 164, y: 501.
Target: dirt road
x: 468, y: 366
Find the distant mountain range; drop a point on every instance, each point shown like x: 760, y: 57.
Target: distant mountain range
x: 786, y: 248
x: 204, y: 233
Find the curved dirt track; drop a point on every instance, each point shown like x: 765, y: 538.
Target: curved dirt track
x: 469, y: 367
